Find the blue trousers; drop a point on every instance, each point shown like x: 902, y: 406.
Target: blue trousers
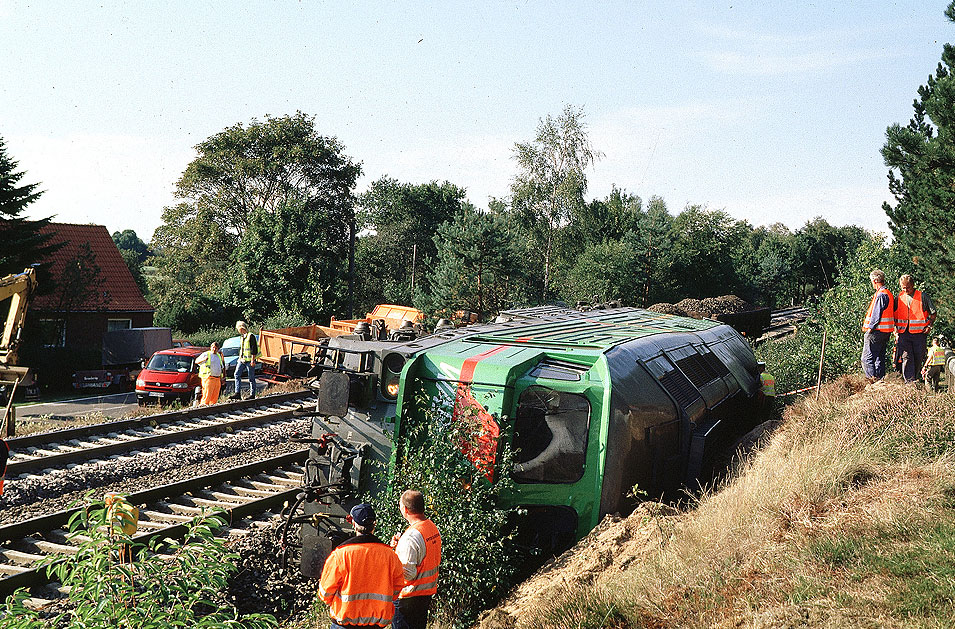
x: 412, y: 612
x: 913, y: 349
x: 242, y: 369
x: 873, y: 353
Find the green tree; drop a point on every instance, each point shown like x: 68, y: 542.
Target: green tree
x: 127, y: 240
x: 921, y: 159
x: 241, y: 175
x: 709, y: 248
x: 294, y: 260
x: 23, y: 244
x: 170, y: 584
x: 396, y: 251
x: 476, y: 266
x: 134, y: 252
x: 605, y: 271
x: 551, y: 183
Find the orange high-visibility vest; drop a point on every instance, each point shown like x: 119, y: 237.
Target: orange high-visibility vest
x: 425, y: 581
x: 887, y: 322
x: 360, y: 582
x: 910, y: 314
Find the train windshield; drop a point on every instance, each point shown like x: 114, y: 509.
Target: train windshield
x: 550, y: 436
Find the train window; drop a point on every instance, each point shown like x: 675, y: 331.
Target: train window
x: 550, y: 436
x: 558, y: 370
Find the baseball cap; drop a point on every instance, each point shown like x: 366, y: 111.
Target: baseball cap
x: 363, y: 514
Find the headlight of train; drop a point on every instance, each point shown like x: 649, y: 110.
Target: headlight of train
x: 391, y: 375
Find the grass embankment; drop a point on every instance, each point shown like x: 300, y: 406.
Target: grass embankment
x: 845, y: 518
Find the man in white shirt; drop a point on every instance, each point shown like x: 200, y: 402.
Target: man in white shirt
x: 419, y: 549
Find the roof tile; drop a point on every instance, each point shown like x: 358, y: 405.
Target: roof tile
x: 116, y: 290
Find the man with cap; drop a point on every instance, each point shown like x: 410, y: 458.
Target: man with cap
x: 362, y: 577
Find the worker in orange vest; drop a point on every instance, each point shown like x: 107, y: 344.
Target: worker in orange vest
x: 362, y: 577
x: 878, y: 324
x: 914, y: 315
x: 419, y: 549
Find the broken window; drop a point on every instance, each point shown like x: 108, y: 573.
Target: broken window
x: 550, y: 436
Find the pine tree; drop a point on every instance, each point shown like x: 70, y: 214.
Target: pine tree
x: 921, y: 156
x: 22, y: 242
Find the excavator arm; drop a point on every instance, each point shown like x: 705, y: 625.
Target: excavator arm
x: 19, y: 288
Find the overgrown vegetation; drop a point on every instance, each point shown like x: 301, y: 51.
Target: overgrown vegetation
x: 479, y: 556
x: 170, y: 584
x: 845, y: 518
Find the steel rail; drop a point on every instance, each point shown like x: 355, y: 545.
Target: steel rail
x: 169, y: 417
x: 18, y: 465
x: 15, y: 577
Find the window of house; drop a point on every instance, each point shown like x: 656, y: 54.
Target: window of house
x: 550, y: 436
x: 118, y: 324
x: 51, y: 332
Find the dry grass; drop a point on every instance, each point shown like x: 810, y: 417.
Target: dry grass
x: 829, y: 525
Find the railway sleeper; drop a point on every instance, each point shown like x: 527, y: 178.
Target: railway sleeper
x: 280, y: 481
x: 162, y: 518
x: 18, y: 558
x: 10, y: 570
x: 241, y: 489
x: 232, y: 499
x: 48, y: 547
x: 270, y: 488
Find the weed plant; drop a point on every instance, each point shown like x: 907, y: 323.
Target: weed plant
x: 169, y: 584
x: 479, y: 557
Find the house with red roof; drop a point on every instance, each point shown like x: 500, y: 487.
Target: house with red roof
x: 93, y: 292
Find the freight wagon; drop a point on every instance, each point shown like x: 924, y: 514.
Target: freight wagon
x: 593, y: 403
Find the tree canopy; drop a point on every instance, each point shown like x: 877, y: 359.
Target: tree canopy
x: 921, y: 159
x: 23, y: 244
x: 248, y: 178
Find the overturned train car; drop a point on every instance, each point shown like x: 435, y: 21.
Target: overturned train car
x: 594, y: 403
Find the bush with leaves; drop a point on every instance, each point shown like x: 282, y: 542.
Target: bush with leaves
x: 794, y: 360
x: 169, y: 584
x: 479, y: 556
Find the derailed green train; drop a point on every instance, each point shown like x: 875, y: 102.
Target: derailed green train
x: 593, y: 403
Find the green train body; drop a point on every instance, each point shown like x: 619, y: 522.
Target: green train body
x: 594, y: 404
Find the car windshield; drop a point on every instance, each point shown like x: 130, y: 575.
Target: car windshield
x: 230, y: 351
x: 170, y: 362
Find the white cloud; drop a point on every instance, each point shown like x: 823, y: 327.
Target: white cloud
x: 120, y: 181
x: 768, y: 54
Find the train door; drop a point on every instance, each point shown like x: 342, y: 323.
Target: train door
x: 556, y: 421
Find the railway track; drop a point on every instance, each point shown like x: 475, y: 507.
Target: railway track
x: 165, y: 511
x: 34, y: 453
x: 783, y: 322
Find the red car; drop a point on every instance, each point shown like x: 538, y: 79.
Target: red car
x: 170, y: 375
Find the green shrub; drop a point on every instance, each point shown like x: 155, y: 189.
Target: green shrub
x: 794, y: 360
x: 479, y: 558
x: 181, y: 587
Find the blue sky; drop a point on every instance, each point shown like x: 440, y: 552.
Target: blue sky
x: 772, y: 111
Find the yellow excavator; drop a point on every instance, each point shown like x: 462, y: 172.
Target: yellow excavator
x: 19, y: 288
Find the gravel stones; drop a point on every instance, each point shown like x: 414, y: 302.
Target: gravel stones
x: 43, y: 493
x: 259, y: 587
